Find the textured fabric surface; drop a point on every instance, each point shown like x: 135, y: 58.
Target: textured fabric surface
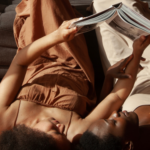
x: 91, y: 42
x: 6, y: 30
x: 10, y: 8
x: 6, y: 55
x: 114, y: 47
x: 16, y: 1
x: 61, y: 77
x: 80, y: 2
x: 2, y: 71
x: 108, y: 38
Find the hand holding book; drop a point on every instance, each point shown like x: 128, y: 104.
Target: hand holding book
x: 140, y: 45
x: 119, y: 17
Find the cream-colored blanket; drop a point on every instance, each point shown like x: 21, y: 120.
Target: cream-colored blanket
x: 114, y: 46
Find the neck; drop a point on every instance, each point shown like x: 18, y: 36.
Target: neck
x: 142, y: 141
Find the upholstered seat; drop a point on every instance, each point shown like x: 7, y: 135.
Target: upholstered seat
x: 7, y: 42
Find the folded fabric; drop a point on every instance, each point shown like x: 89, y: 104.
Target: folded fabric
x: 62, y: 76
x: 114, y: 46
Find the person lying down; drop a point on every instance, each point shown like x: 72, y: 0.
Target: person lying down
x: 116, y: 46
x: 48, y: 125
x: 50, y: 101
x: 121, y: 130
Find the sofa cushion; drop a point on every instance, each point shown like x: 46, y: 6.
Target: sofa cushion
x: 3, y: 71
x: 16, y: 1
x: 6, y: 55
x: 80, y: 2
x: 10, y: 8
x: 6, y: 29
x: 2, y: 7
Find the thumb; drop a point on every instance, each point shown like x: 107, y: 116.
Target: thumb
x: 139, y: 41
x: 73, y: 30
x: 146, y: 42
x: 142, y: 39
x: 124, y: 76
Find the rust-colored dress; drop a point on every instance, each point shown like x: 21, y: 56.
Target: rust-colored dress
x: 63, y: 76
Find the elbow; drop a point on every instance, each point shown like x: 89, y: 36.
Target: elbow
x: 18, y: 62
x: 122, y: 97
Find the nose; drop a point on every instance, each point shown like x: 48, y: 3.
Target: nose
x: 114, y: 115
x: 61, y: 128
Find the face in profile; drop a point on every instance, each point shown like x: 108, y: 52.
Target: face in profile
x: 124, y: 125
x: 56, y: 130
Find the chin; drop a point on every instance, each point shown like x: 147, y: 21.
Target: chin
x: 134, y: 118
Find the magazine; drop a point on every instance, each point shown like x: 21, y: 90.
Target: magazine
x: 119, y: 17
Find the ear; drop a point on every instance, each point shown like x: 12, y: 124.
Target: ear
x: 128, y: 146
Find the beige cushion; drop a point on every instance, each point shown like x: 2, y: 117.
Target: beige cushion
x: 114, y: 46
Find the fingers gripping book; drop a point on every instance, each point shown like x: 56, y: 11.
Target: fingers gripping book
x: 119, y: 17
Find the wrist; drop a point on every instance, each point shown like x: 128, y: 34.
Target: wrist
x: 136, y: 58
x: 108, y: 76
x: 137, y: 53
x: 57, y: 37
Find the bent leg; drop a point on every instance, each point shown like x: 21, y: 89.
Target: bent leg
x: 44, y: 77
x: 37, y: 18
x: 40, y: 18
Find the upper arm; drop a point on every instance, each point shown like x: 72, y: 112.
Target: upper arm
x: 104, y: 109
x: 11, y: 84
x: 8, y: 116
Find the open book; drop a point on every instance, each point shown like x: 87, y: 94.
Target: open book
x: 119, y: 17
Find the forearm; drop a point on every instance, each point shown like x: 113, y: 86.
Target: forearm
x: 124, y: 86
x: 14, y: 77
x: 115, y: 99
x: 28, y: 54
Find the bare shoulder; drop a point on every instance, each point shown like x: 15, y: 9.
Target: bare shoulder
x: 143, y: 114
x: 77, y: 127
x: 8, y: 116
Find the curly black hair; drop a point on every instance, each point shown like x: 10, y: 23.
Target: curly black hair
x: 24, y: 138
x: 89, y: 141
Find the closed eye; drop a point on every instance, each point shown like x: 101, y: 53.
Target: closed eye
x: 56, y: 132
x: 112, y: 121
x: 115, y: 122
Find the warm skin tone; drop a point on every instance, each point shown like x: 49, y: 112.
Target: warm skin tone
x: 126, y: 126
x: 54, y: 121
x: 133, y: 128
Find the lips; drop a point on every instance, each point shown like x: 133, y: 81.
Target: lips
x: 125, y: 113
x: 54, y: 121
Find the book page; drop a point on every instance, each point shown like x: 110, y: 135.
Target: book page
x: 125, y: 28
x: 138, y: 22
x: 87, y: 28
x: 131, y: 12
x: 91, y: 16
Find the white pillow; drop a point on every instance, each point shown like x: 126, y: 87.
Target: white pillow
x: 114, y: 46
